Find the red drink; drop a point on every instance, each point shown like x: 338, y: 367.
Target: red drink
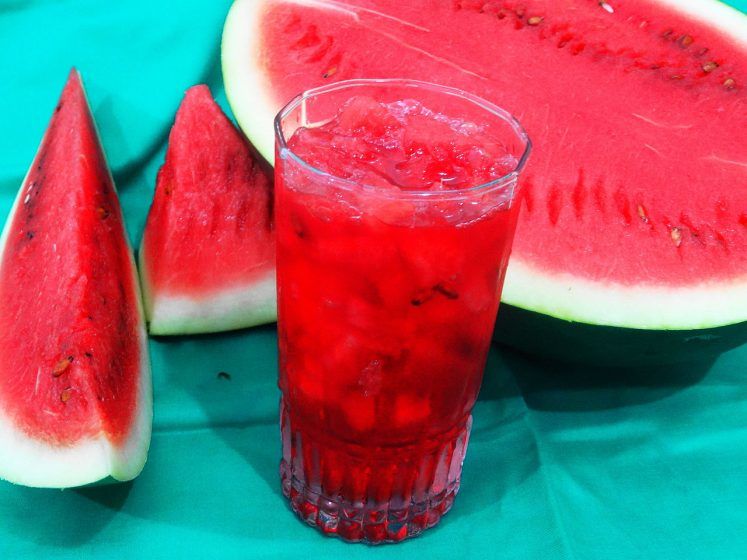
x: 389, y: 274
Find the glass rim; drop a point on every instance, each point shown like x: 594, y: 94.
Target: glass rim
x: 349, y: 184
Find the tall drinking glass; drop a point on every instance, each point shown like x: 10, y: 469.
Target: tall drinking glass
x: 387, y: 299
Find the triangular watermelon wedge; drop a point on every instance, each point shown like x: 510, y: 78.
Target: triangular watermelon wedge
x: 207, y: 258
x: 75, y: 387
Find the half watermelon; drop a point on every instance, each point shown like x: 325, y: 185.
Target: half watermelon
x: 75, y: 387
x: 207, y: 258
x: 635, y: 202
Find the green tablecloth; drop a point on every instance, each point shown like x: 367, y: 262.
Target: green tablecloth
x: 563, y: 463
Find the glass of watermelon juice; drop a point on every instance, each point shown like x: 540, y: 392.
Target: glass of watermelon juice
x: 395, y: 207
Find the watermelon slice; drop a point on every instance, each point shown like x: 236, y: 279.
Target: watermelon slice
x: 75, y: 392
x: 635, y: 202
x: 207, y: 258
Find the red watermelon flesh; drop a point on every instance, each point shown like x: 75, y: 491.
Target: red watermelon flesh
x: 635, y: 201
x: 208, y: 250
x: 74, y: 375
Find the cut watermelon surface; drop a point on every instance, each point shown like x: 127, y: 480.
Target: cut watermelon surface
x: 635, y: 201
x: 75, y: 393
x: 207, y: 258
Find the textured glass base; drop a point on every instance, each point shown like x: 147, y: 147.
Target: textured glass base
x: 382, y: 496
x: 359, y: 524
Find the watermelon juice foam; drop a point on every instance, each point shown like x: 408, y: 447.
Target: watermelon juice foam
x: 396, y: 203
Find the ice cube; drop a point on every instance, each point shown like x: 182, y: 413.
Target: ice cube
x: 364, y: 113
x: 404, y: 108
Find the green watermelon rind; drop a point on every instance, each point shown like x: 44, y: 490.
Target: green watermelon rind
x: 233, y: 308
x: 601, y: 345
x: 559, y: 296
x: 32, y: 462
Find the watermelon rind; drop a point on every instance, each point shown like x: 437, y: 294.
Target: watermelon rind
x: 574, y: 342
x: 726, y: 18
x: 32, y: 462
x: 248, y: 92
x: 562, y: 297
x: 229, y: 309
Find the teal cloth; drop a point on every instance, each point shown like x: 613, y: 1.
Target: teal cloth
x: 564, y: 462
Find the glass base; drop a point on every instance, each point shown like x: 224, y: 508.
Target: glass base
x: 358, y: 524
x: 370, y: 495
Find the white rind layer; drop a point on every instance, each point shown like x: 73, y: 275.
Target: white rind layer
x: 128, y: 461
x: 33, y: 462
x: 235, y: 308
x: 729, y: 20
x: 638, y: 306
x: 564, y: 296
x: 247, y: 88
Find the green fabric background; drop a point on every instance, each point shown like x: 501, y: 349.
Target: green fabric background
x: 564, y: 462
